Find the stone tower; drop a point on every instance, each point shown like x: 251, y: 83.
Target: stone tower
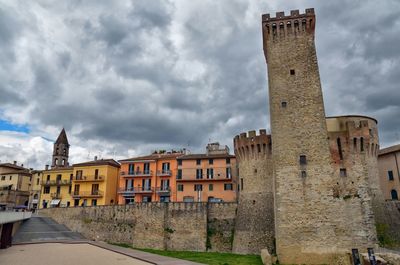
x: 254, y: 227
x: 309, y: 225
x: 60, y: 151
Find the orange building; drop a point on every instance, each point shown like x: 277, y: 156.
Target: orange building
x: 148, y: 178
x: 207, y: 177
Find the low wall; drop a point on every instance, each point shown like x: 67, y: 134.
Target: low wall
x: 169, y: 226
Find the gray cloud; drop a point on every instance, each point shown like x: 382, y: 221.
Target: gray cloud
x: 138, y: 75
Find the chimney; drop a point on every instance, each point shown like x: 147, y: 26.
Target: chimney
x: 15, y: 162
x: 22, y: 165
x: 95, y: 158
x: 47, y: 167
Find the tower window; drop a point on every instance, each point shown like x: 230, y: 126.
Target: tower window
x: 339, y: 145
x: 303, y: 160
x: 355, y: 143
x: 343, y: 172
x: 390, y: 175
x: 284, y: 104
x: 292, y: 72
x: 361, y: 144
x: 303, y: 174
x: 394, y: 195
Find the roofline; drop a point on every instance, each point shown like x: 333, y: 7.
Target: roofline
x: 389, y: 150
x: 137, y: 161
x: 349, y: 116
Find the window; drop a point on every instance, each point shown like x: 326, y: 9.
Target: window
x: 48, y: 178
x: 228, y: 161
x: 69, y: 189
x: 292, y: 72
x: 95, y: 189
x: 228, y: 173
x: 303, y: 160
x: 361, y: 144
x: 228, y: 186
x: 390, y: 175
x: 210, y: 173
x: 339, y: 145
x: 180, y: 187
x: 198, y: 162
x: 179, y: 174
x: 46, y: 190
x: 165, y: 167
x: 355, y: 143
x: 76, y: 189
x: 146, y: 168
x: 343, y: 172
x: 3, y: 177
x: 58, y: 189
x: 303, y: 174
x: 188, y: 199
x: 199, y: 173
x: 96, y: 174
x: 10, y: 177
x: 94, y: 202
x: 179, y: 162
x: 241, y: 184
x: 63, y: 162
x: 37, y: 181
x: 58, y: 178
x: 79, y: 174
x: 210, y: 161
x: 131, y: 169
x: 198, y: 187
x: 394, y: 195
x: 210, y: 187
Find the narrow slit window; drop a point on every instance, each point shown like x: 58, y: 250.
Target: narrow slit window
x: 355, y: 143
x: 284, y: 104
x: 303, y: 174
x: 362, y: 144
x: 292, y: 72
x: 339, y: 145
x: 303, y: 160
x: 343, y: 172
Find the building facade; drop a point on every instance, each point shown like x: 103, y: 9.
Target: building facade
x: 209, y: 177
x: 56, y: 187
x: 148, y: 178
x: 36, y: 188
x: 389, y: 173
x: 95, y: 182
x: 15, y: 185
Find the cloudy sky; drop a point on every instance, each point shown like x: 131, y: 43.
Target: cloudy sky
x: 128, y: 77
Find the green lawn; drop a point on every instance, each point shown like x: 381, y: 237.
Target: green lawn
x: 210, y: 258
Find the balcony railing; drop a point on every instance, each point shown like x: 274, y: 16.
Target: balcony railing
x: 56, y: 182
x: 163, y: 190
x: 145, y: 173
x: 89, y: 178
x: 161, y: 173
x: 93, y: 193
x: 55, y: 196
x: 134, y: 190
x: 217, y: 174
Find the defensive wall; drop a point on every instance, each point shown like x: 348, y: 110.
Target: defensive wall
x: 254, y: 228
x: 167, y: 226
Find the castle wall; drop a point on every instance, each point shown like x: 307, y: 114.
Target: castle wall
x: 168, y: 226
x: 254, y: 228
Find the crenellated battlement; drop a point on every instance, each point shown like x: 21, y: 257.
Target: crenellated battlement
x: 250, y: 145
x: 281, y: 26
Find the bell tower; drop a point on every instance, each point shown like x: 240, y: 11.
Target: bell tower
x: 60, y: 151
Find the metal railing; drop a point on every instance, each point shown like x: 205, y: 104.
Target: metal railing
x: 164, y: 173
x: 145, y: 173
x: 93, y: 193
x: 163, y: 189
x: 56, y: 182
x: 217, y: 173
x: 55, y: 195
x: 89, y: 178
x: 133, y: 190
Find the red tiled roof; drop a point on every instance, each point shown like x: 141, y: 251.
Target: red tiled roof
x: 391, y: 149
x: 110, y: 162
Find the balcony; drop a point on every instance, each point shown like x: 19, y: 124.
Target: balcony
x: 87, y: 194
x: 164, y: 173
x: 135, y: 190
x: 215, y: 174
x: 165, y: 191
x: 55, y: 196
x: 89, y: 178
x: 129, y: 174
x: 56, y: 182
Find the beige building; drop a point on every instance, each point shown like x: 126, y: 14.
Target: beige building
x: 389, y: 174
x: 15, y: 182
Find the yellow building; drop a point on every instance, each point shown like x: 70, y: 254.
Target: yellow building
x: 95, y: 182
x: 56, y: 187
x: 36, y: 188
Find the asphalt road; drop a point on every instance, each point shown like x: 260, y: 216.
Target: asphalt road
x: 39, y: 229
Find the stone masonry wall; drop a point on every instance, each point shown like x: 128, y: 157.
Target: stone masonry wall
x: 168, y: 226
x: 254, y: 228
